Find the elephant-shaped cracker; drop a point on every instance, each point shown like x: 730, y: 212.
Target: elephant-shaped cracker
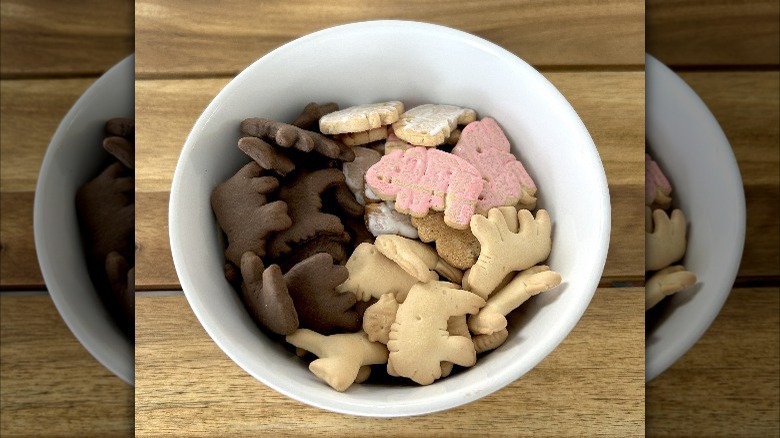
x: 244, y: 213
x: 665, y: 244
x: 420, y: 179
x: 665, y: 282
x: 504, y: 250
x: 484, y: 145
x: 419, y: 340
x: 342, y: 357
x: 532, y: 281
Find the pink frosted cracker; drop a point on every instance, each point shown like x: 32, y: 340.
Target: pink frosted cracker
x: 484, y: 145
x: 657, y: 187
x: 420, y: 179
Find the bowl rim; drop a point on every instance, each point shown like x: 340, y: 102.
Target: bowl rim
x: 61, y: 300
x: 434, y: 403
x: 667, y: 81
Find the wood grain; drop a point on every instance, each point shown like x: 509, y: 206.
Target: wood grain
x: 176, y: 39
x: 30, y: 111
x: 590, y: 384
x: 727, y: 384
x: 715, y: 33
x: 50, y: 38
x: 50, y: 384
x: 18, y: 259
x: 154, y: 268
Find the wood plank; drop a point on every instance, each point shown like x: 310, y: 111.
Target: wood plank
x: 30, y: 111
x: 19, y: 262
x: 46, y: 38
x: 154, y: 268
x: 728, y: 384
x: 177, y: 39
x: 50, y: 385
x: 165, y: 112
x: 579, y: 385
x: 747, y: 106
x: 714, y: 32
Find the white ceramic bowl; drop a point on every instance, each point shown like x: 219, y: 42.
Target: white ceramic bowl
x: 74, y: 157
x: 415, y: 63
x: 687, y: 142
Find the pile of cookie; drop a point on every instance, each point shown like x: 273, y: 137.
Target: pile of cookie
x: 105, y: 207
x: 665, y: 239
x: 378, y: 235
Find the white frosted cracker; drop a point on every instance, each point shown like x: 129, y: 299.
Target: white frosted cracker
x: 361, y: 117
x: 431, y: 124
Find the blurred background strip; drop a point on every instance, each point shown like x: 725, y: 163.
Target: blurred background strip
x: 51, y: 53
x: 729, y: 53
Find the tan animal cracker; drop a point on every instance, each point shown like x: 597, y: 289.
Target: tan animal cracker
x: 416, y: 258
x: 419, y: 340
x: 526, y: 284
x: 379, y: 317
x: 504, y: 251
x: 456, y: 326
x: 483, y: 343
x: 457, y: 247
x: 341, y: 356
x: 665, y: 244
x: 366, y: 267
x: 665, y: 282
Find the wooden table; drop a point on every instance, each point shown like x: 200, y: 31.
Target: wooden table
x: 591, y: 383
x: 728, y: 384
x: 51, y: 52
